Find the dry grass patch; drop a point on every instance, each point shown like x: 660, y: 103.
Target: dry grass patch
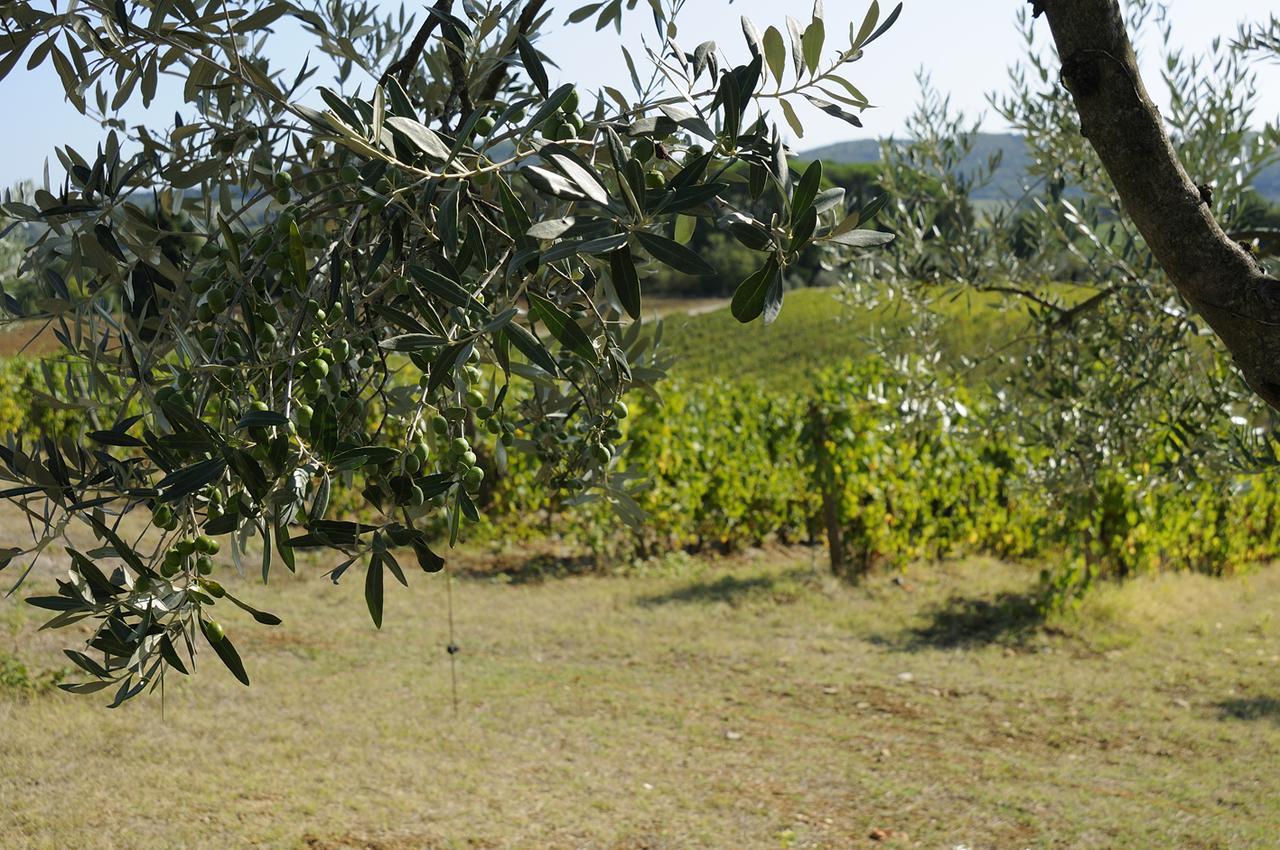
x: 748, y: 702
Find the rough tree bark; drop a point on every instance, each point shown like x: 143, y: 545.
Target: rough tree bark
x: 1219, y: 279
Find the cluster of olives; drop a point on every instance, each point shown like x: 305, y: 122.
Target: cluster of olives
x: 594, y: 441
x: 188, y: 553
x: 317, y: 371
x: 283, y: 183
x: 162, y: 516
x: 458, y: 454
x: 565, y: 124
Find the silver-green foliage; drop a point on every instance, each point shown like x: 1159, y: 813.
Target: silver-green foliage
x: 1120, y: 380
x: 274, y: 297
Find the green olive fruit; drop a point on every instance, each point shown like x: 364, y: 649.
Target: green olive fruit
x: 283, y: 180
x: 366, y: 360
x: 348, y: 173
x: 318, y: 369
x: 217, y: 300
x: 508, y: 439
x: 472, y: 477
x: 185, y: 548
x: 493, y: 427
x: 643, y: 149
x: 162, y: 515
x: 563, y: 132
x: 263, y: 243
x: 484, y: 411
x: 416, y: 496
x: 654, y: 179
x: 213, y: 629
x: 577, y: 122
x: 204, y: 565
x: 411, y: 464
x: 341, y: 351
x: 303, y: 415
x: 475, y: 398
x: 620, y: 410
x: 201, y: 285
x: 467, y: 458
x: 206, y: 545
x: 439, y: 424
x: 172, y: 558
x: 601, y: 454
x: 570, y: 104
x: 485, y: 125
x: 209, y: 250
x: 268, y: 313
x: 459, y: 445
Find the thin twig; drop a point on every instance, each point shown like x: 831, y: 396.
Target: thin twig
x: 453, y: 647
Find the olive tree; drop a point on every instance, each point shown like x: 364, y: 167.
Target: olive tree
x: 308, y: 316
x: 1114, y: 384
x: 1217, y: 275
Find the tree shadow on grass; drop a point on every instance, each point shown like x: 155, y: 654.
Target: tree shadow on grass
x: 531, y: 569
x: 1249, y: 708
x: 734, y: 590
x: 1007, y: 618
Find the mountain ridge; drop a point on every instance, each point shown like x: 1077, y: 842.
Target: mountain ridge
x: 1007, y: 181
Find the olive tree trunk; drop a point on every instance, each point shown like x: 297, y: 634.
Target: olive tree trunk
x: 1216, y: 276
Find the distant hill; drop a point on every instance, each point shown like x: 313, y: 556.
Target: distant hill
x: 1008, y: 180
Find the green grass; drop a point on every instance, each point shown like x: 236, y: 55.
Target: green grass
x: 749, y: 702
x: 815, y: 330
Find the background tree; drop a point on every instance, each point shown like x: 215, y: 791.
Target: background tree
x: 1221, y: 279
x: 1113, y: 381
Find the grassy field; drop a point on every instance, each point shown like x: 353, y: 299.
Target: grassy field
x: 815, y: 330
x: 741, y: 703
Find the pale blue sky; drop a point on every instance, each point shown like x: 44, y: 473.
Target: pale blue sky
x: 966, y: 46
